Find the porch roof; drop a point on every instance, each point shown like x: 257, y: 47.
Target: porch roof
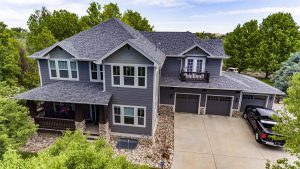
x: 69, y: 92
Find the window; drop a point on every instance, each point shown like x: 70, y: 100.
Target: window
x: 52, y: 69
x: 116, y: 75
x: 74, y: 69
x: 60, y: 107
x: 129, y: 76
x: 129, y: 115
x: 128, y: 72
x: 195, y: 64
x: 96, y: 72
x: 141, y: 76
x: 63, y: 69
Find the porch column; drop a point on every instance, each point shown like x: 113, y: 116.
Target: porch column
x: 103, y: 114
x: 32, y: 107
x: 79, y: 116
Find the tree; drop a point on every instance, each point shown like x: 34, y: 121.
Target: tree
x: 288, y: 126
x: 72, y: 150
x: 282, y: 76
x: 94, y: 16
x: 207, y: 35
x: 9, y: 56
x: 135, y: 20
x: 111, y: 10
x: 241, y: 45
x: 280, y: 37
x: 15, y: 125
x: 40, y: 41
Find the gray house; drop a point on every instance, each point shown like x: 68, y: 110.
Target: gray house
x: 114, y: 76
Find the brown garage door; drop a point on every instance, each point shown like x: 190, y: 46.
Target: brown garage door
x: 187, y: 103
x: 218, y: 105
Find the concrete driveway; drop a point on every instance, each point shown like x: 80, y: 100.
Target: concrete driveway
x: 217, y: 142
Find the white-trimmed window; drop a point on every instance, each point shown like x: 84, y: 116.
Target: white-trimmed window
x: 63, y: 69
x: 194, y: 64
x: 129, y: 115
x: 129, y: 76
x: 96, y: 72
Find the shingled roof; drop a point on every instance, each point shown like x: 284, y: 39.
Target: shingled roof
x: 174, y: 43
x: 97, y: 42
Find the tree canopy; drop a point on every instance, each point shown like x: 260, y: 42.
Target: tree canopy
x: 282, y: 76
x: 135, y: 20
x: 288, y: 126
x: 241, y: 45
x: 263, y: 48
x: 72, y: 151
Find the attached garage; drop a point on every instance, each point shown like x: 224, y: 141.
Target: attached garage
x: 187, y: 103
x: 257, y: 100
x: 219, y: 105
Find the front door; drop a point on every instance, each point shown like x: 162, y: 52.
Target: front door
x: 92, y: 116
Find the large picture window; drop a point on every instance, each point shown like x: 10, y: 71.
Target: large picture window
x: 96, y: 72
x: 63, y: 69
x: 129, y: 115
x: 129, y: 76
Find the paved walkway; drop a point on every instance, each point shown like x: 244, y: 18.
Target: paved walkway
x: 217, y: 142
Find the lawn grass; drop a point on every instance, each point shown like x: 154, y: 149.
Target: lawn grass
x: 267, y: 81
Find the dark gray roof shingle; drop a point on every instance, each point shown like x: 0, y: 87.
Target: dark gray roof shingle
x: 174, y: 43
x: 228, y: 81
x: 254, y: 85
x: 99, y: 40
x: 69, y: 92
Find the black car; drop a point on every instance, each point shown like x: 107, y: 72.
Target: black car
x: 260, y: 119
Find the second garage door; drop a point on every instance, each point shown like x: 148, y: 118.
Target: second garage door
x: 218, y: 105
x: 187, y: 103
x: 256, y: 100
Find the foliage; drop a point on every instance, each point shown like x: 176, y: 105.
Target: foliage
x: 288, y: 126
x: 280, y: 37
x: 111, y: 10
x: 71, y: 151
x: 282, y: 77
x: 282, y: 164
x: 135, y: 20
x: 207, y: 35
x: 94, y: 16
x: 241, y: 45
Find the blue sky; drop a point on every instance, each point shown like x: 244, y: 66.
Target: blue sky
x: 218, y: 16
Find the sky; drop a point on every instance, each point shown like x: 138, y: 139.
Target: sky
x: 215, y: 16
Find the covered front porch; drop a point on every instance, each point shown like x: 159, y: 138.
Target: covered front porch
x: 68, y: 106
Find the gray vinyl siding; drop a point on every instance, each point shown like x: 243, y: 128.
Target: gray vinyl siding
x: 83, y: 68
x: 58, y: 53
x: 127, y: 55
x: 172, y: 66
x: 134, y: 97
x: 167, y: 95
x: 213, y: 66
x: 196, y: 51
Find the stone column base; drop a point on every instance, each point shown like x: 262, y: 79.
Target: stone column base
x: 104, y: 131
x: 80, y: 125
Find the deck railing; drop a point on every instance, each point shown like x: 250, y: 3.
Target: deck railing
x: 55, y: 123
x: 194, y: 76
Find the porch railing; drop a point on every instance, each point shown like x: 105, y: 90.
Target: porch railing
x: 194, y: 76
x: 55, y: 123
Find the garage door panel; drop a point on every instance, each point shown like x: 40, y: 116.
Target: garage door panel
x: 218, y: 105
x: 257, y: 100
x: 187, y: 103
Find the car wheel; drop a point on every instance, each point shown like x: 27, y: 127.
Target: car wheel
x: 245, y: 116
x: 257, y: 137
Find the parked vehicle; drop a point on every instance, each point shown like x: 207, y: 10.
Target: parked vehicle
x: 232, y: 69
x: 260, y: 119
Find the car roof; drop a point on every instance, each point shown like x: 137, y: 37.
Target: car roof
x: 266, y: 112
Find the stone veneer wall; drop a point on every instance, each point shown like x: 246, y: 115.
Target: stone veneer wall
x: 104, y: 131
x: 80, y: 125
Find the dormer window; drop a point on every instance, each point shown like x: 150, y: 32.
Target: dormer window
x: 63, y: 69
x: 194, y: 64
x: 96, y: 72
